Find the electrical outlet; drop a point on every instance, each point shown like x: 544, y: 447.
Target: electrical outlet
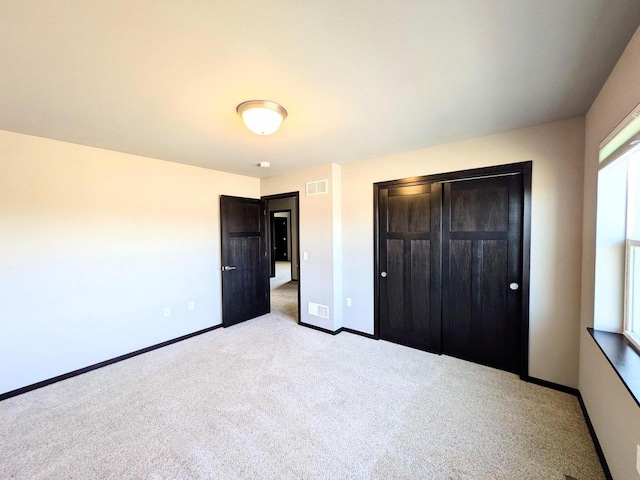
x: 348, y: 301
x: 167, y: 311
x: 192, y: 306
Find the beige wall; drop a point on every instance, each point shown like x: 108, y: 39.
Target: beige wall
x: 615, y: 417
x: 316, y: 239
x: 98, y: 243
x: 94, y: 245
x: 556, y: 150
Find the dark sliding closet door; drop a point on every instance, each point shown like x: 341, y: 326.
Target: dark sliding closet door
x: 449, y: 264
x: 482, y: 239
x: 409, y: 261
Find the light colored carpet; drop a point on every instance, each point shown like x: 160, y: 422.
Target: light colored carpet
x: 284, y: 300
x: 283, y: 274
x: 268, y: 399
x: 284, y: 292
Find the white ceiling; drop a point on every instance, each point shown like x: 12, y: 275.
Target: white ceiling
x: 359, y: 78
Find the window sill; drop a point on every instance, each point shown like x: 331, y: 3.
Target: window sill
x: 624, y: 359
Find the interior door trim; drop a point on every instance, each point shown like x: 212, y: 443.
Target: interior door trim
x: 522, y: 168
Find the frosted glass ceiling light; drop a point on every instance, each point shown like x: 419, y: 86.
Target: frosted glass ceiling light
x: 262, y: 116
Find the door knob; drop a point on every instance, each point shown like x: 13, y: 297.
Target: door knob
x: 383, y: 274
x: 514, y: 286
x: 226, y: 268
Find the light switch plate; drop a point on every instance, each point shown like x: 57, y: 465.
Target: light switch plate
x: 638, y: 459
x: 167, y: 311
x: 192, y: 306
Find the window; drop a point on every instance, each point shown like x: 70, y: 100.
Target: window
x: 617, y: 299
x: 632, y: 251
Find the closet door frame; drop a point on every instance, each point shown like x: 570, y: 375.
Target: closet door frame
x: 522, y: 168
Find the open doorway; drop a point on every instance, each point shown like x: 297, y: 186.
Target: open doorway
x: 284, y: 257
x: 281, y: 242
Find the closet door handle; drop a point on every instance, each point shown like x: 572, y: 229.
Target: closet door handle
x: 383, y: 274
x: 514, y: 286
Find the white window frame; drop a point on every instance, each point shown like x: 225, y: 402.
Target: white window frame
x: 631, y: 323
x: 621, y: 145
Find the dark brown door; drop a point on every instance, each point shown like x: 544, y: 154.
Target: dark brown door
x: 482, y: 249
x: 409, y: 265
x: 280, y: 235
x: 245, y: 268
x: 452, y: 264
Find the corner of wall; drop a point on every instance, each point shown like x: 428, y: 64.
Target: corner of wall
x: 320, y: 237
x: 611, y: 409
x: 336, y: 197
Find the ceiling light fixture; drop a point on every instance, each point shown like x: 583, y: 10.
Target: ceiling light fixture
x: 262, y: 116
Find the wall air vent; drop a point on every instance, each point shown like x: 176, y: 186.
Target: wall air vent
x: 318, y: 310
x: 318, y: 188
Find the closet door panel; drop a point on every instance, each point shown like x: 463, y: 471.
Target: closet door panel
x: 409, y: 298
x: 482, y: 237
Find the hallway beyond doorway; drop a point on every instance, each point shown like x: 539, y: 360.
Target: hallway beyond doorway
x: 284, y: 292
